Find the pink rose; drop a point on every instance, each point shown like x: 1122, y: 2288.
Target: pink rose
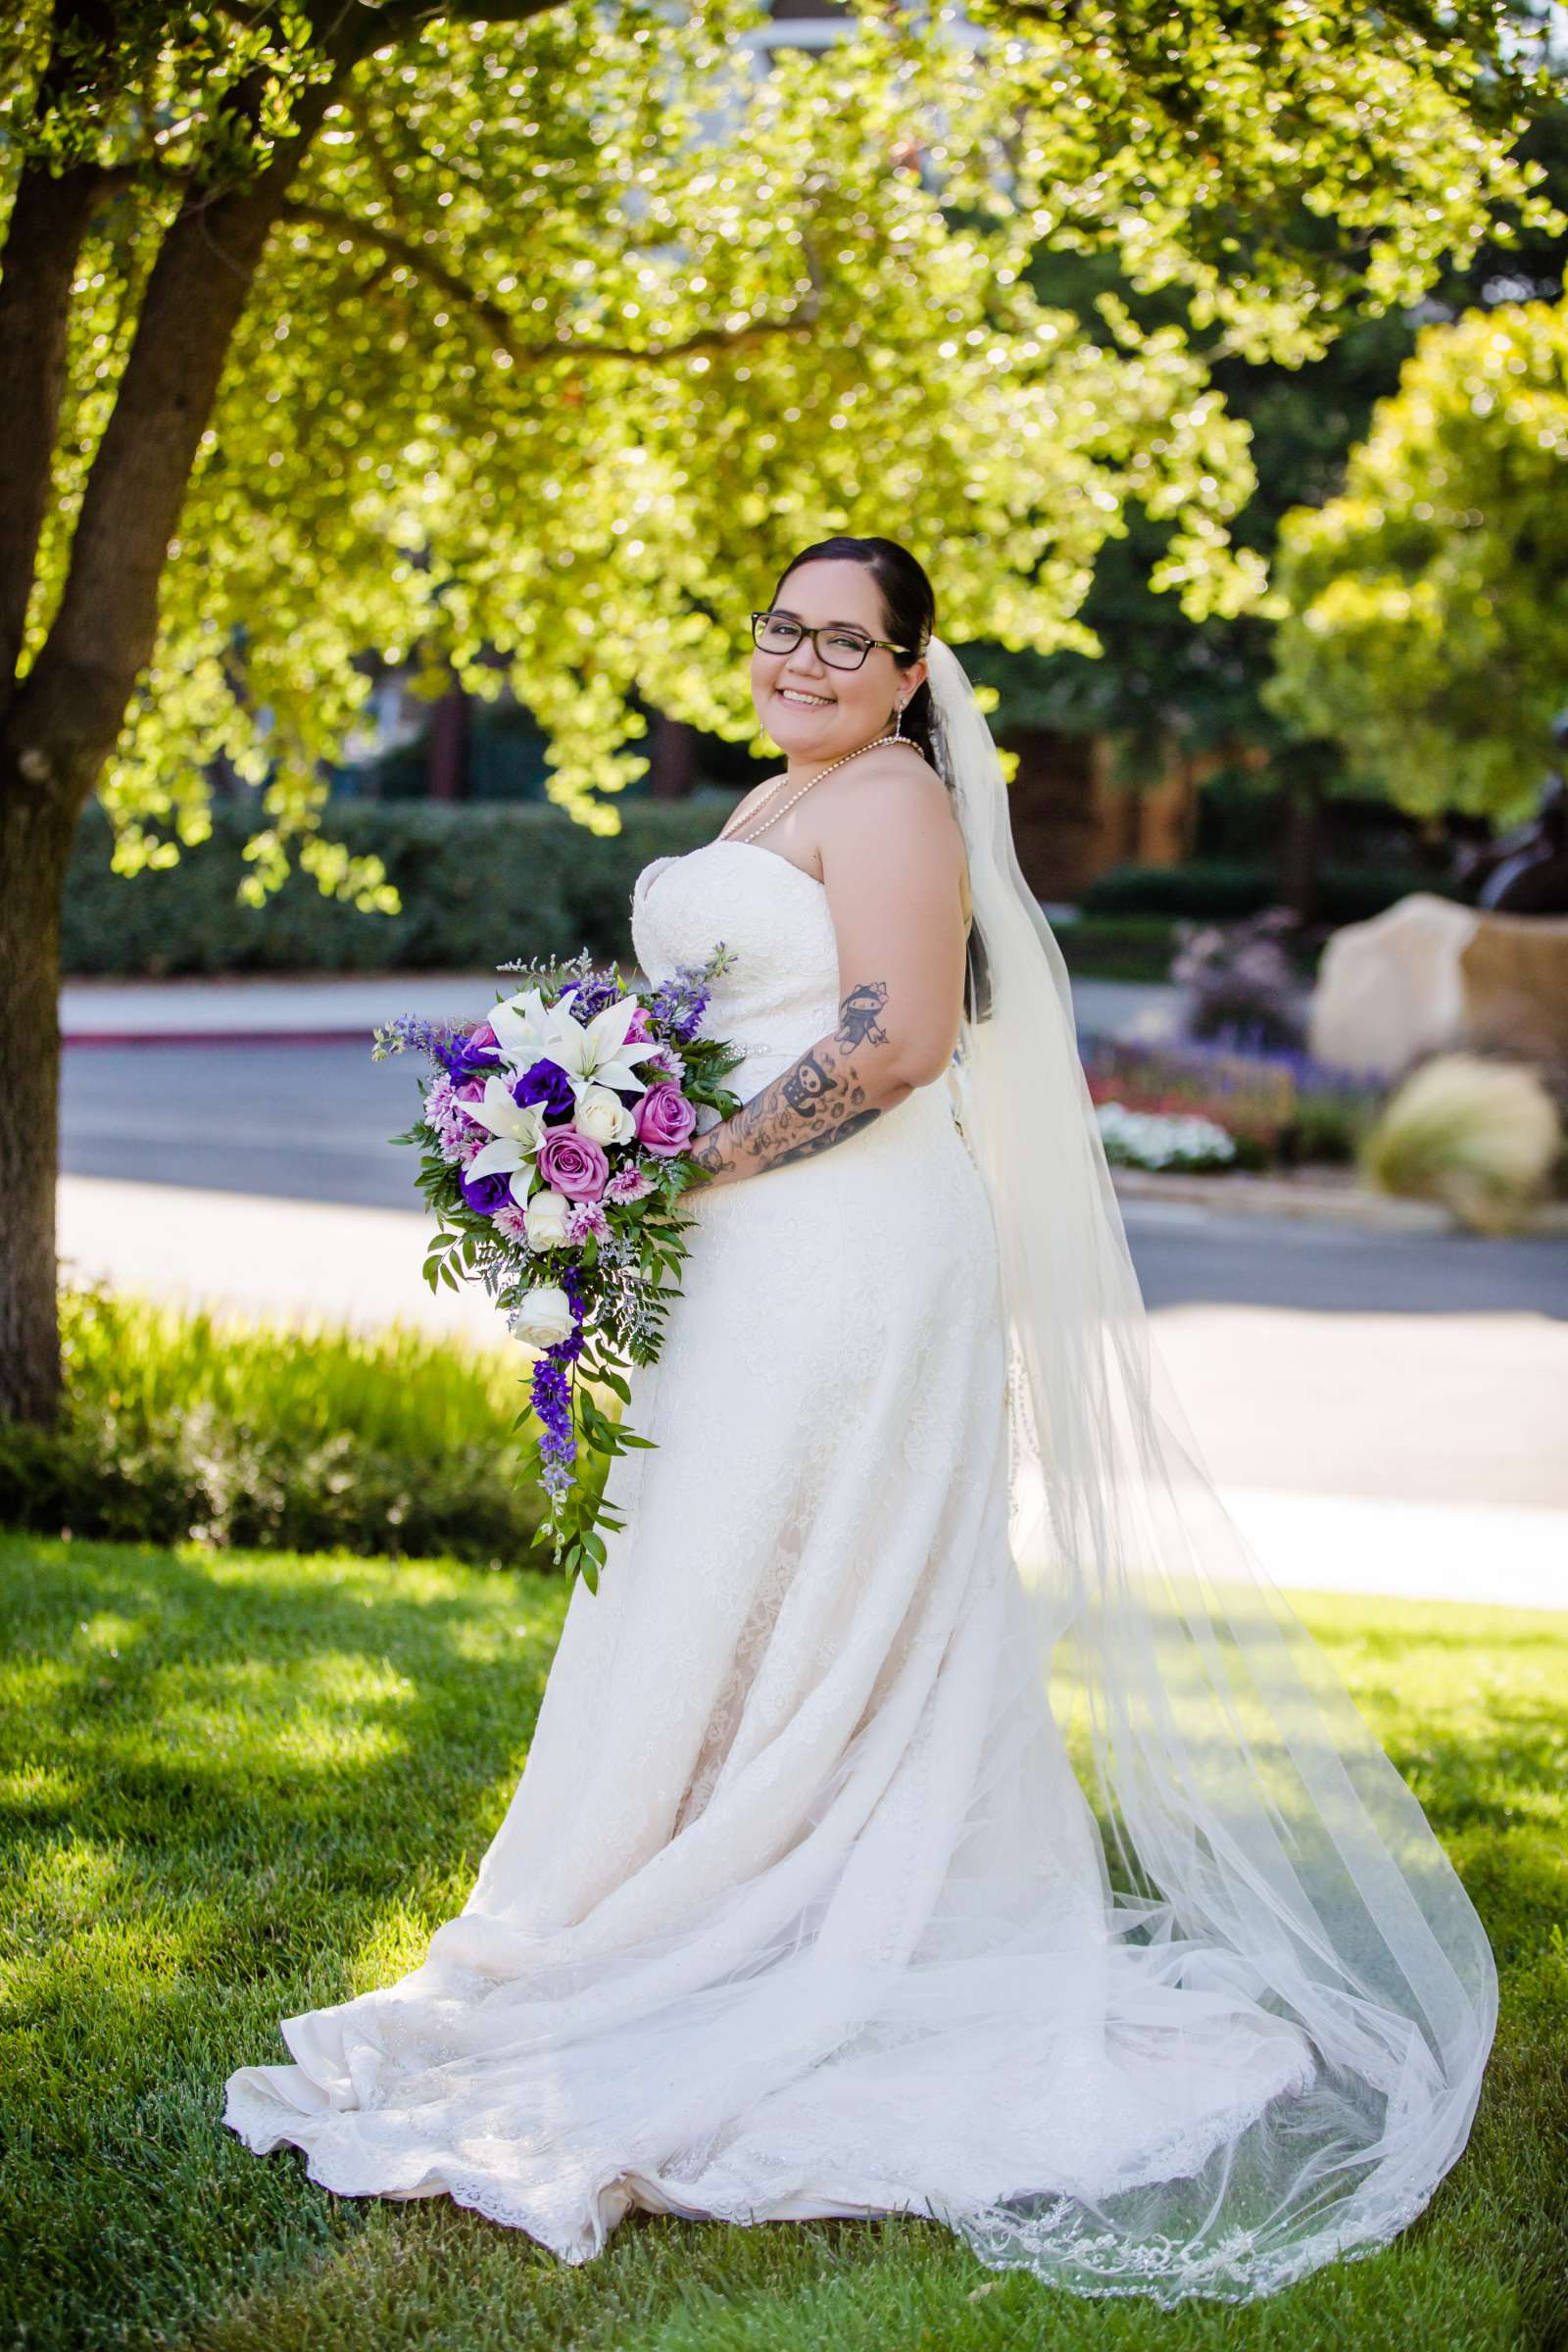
x: 573, y: 1163
x: 639, y: 1030
x: 664, y: 1120
x: 472, y: 1090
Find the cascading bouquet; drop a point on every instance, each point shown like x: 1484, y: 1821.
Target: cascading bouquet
x: 553, y: 1139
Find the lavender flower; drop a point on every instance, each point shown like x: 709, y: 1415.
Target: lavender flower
x: 552, y: 1395
x: 679, y: 1004
x: 596, y: 994
x: 411, y: 1033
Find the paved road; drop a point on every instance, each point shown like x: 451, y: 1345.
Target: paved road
x: 257, y: 1004
x: 1381, y: 1408
x: 311, y: 1122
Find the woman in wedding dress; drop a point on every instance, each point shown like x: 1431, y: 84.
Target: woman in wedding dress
x: 935, y: 1810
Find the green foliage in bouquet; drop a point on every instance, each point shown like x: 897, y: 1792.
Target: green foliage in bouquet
x: 552, y: 1155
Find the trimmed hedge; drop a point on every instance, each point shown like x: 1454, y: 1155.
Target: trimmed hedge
x: 1215, y: 891
x: 1129, y: 946
x: 179, y: 1425
x: 482, y: 883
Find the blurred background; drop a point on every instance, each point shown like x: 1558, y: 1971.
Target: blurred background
x: 404, y: 410
x: 1305, y: 847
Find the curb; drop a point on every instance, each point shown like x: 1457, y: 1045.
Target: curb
x: 1321, y: 1204
x: 118, y: 1039
x: 1225, y: 1195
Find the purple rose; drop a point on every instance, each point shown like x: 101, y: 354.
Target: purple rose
x: 664, y: 1120
x: 546, y: 1084
x: 574, y: 1164
x: 462, y: 1122
x: 485, y: 1194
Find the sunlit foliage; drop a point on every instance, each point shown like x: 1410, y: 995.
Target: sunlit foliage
x: 1427, y: 622
x: 574, y: 328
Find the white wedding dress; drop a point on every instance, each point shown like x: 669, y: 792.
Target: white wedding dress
x: 799, y: 1907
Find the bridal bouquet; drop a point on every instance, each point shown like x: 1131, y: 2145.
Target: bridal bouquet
x: 553, y: 1139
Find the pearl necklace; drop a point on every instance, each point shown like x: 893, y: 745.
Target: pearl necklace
x: 749, y: 837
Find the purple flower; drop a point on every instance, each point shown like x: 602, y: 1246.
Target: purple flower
x: 546, y: 1084
x: 664, y: 1120
x: 485, y: 1194
x: 552, y: 1395
x: 596, y: 994
x: 473, y: 1057
x: 574, y: 1164
x: 679, y: 1004
x: 585, y: 1221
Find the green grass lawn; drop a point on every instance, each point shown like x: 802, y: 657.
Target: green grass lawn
x: 239, y: 1785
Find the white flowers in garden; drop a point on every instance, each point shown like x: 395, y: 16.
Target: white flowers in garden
x: 1145, y: 1139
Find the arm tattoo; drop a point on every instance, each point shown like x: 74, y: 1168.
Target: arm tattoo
x: 820, y: 1101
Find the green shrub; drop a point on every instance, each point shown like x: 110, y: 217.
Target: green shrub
x: 480, y: 883
x: 1130, y: 947
x: 178, y: 1425
x: 1481, y: 1136
x: 1215, y: 891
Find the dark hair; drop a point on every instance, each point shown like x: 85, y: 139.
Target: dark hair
x: 909, y: 604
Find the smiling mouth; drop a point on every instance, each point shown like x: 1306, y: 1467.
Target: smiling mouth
x: 803, y: 702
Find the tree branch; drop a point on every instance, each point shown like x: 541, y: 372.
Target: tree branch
x: 66, y: 715
x: 498, y: 322
x: 492, y: 317
x: 48, y: 222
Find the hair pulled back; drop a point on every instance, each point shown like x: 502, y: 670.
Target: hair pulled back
x: 910, y: 604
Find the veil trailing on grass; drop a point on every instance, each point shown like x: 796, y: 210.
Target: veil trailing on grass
x: 1256, y: 1833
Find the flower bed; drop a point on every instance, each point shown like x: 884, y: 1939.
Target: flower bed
x: 1279, y: 1110
x: 1142, y: 1139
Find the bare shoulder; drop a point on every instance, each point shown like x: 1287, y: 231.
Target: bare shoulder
x: 894, y: 787
x: 897, y: 813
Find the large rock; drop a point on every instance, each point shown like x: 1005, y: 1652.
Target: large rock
x: 1428, y: 976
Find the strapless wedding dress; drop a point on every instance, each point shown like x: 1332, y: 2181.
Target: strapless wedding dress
x: 798, y: 1908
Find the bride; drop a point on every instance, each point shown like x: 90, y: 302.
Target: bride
x: 935, y: 1811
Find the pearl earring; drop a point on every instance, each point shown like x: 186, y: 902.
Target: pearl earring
x: 897, y: 722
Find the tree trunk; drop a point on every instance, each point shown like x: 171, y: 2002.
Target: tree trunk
x: 1300, y: 849
x: 62, y: 721
x: 672, y: 757
x: 34, y: 847
x: 447, y: 763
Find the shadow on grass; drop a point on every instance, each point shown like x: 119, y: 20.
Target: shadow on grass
x: 241, y: 1785
x: 230, y: 1784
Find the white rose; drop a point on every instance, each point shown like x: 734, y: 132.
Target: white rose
x: 602, y: 1117
x: 545, y: 1315
x: 545, y: 1220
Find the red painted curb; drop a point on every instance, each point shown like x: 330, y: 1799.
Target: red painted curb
x: 216, y: 1037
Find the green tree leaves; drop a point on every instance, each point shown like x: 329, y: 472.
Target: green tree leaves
x: 571, y: 330
x: 1427, y: 605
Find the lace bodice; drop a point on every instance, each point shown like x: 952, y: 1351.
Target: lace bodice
x: 781, y: 992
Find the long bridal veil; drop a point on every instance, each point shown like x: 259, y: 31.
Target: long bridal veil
x: 1257, y: 1836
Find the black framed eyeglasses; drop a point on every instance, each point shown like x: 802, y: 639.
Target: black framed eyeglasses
x: 840, y: 648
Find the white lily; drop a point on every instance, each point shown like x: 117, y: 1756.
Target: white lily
x: 519, y: 1129
x: 592, y: 1053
